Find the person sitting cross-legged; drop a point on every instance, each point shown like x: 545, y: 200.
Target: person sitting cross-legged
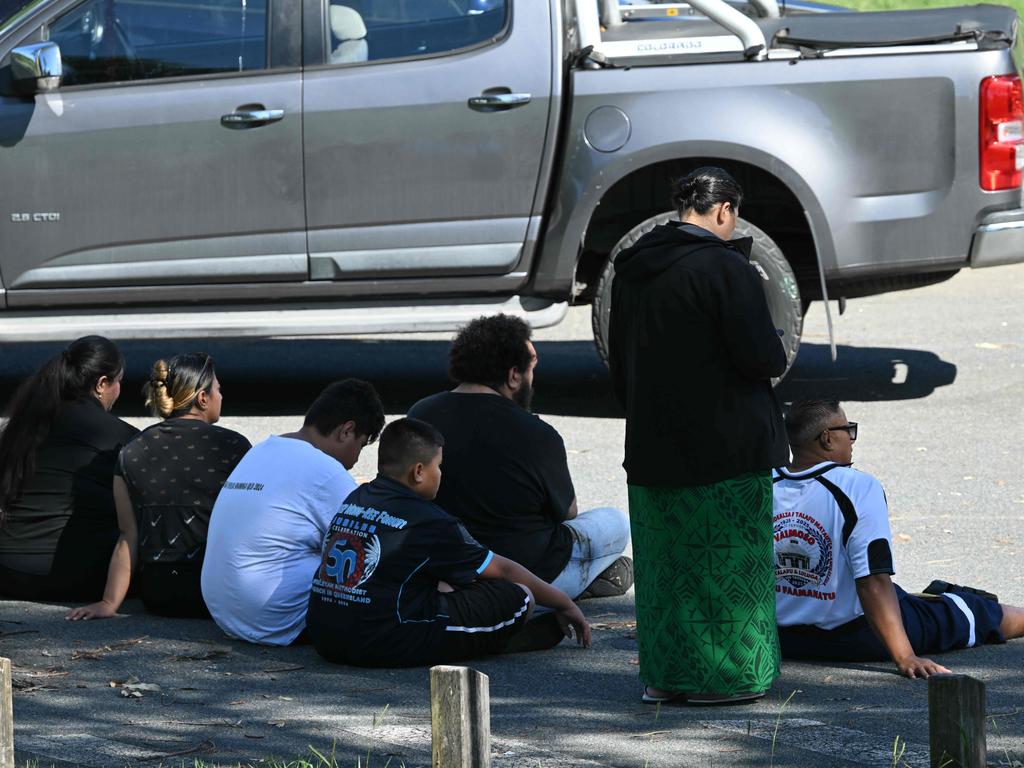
x: 835, y: 599
x: 402, y: 583
x: 506, y: 475
x: 274, y: 510
x: 165, y: 483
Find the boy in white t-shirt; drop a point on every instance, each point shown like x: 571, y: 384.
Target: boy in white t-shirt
x: 269, y: 520
x: 835, y: 598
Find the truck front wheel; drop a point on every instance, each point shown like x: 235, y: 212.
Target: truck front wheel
x: 780, y: 289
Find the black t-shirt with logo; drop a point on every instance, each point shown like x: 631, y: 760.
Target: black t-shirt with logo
x: 505, y: 475
x: 174, y: 471
x: 374, y: 597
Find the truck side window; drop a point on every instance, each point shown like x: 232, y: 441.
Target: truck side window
x: 375, y: 30
x: 105, y: 41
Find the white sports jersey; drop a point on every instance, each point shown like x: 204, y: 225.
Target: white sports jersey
x: 831, y: 527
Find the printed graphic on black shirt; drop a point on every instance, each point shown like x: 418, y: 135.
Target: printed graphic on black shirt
x: 351, y: 554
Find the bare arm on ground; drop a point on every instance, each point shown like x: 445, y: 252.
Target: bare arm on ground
x: 122, y: 561
x: 882, y: 610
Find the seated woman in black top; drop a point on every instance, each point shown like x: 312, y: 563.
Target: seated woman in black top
x: 57, y: 454
x: 165, y: 484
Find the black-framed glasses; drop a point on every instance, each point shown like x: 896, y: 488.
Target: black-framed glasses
x: 849, y: 428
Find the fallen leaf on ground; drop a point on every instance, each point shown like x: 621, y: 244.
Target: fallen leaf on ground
x: 613, y: 625
x: 24, y: 685
x: 276, y: 723
x: 98, y: 653
x: 217, y: 723
x: 219, y: 653
x: 634, y: 662
x: 902, y: 537
x: 133, y: 688
x: 32, y: 672
x: 236, y: 702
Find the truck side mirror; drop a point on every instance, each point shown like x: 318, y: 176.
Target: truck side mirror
x: 37, y: 67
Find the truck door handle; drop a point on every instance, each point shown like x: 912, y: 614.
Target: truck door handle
x: 498, y: 102
x: 246, y: 117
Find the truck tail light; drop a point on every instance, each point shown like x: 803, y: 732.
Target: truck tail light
x: 1002, y: 132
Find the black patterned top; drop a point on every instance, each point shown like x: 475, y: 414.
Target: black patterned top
x: 174, y: 471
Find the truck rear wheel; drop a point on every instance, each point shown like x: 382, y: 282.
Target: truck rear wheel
x: 781, y: 289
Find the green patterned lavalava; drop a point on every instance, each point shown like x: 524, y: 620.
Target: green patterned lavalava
x: 705, y: 585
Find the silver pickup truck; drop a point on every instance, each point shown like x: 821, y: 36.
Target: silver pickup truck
x: 293, y: 167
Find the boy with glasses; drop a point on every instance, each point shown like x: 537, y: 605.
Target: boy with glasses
x: 835, y: 599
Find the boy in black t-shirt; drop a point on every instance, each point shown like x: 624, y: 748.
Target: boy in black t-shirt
x: 402, y: 583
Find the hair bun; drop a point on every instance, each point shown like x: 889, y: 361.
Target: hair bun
x: 157, y: 398
x: 160, y: 372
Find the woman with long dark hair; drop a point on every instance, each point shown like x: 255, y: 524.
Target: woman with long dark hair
x: 165, y: 483
x: 693, y: 349
x: 57, y: 454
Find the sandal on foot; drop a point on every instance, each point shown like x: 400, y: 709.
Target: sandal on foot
x: 648, y: 698
x: 708, y: 699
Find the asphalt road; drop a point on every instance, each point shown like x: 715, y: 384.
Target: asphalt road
x: 934, y: 376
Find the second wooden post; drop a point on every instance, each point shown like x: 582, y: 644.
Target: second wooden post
x: 460, y: 716
x: 956, y: 721
x: 6, y: 716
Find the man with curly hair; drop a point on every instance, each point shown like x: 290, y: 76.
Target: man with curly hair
x: 506, y: 475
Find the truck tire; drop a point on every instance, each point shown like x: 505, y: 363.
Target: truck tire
x: 781, y: 289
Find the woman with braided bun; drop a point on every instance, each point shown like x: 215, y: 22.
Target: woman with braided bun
x: 165, y: 483
x: 57, y: 454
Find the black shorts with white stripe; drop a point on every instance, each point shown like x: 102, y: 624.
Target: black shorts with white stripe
x: 481, y: 619
x: 934, y: 624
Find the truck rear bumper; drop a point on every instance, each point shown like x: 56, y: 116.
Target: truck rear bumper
x: 999, y: 240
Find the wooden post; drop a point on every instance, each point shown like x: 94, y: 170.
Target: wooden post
x: 6, y: 716
x: 956, y: 721
x: 460, y: 718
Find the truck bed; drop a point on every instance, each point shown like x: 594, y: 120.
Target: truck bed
x: 986, y: 26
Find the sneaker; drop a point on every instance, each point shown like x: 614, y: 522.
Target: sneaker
x: 613, y: 581
x: 536, y: 635
x: 938, y: 587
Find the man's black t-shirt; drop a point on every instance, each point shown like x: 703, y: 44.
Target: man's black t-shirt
x: 505, y: 475
x: 174, y: 471
x: 374, y: 598
x: 65, y: 510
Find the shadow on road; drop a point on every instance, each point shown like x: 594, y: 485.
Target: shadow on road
x: 866, y: 373
x: 280, y: 377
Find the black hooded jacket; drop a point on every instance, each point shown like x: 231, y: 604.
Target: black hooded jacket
x: 692, y: 347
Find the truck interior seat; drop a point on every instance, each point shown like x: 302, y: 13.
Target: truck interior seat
x: 349, y: 30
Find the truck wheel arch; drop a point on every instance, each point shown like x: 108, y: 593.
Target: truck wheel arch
x: 778, y: 201
x: 781, y: 288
